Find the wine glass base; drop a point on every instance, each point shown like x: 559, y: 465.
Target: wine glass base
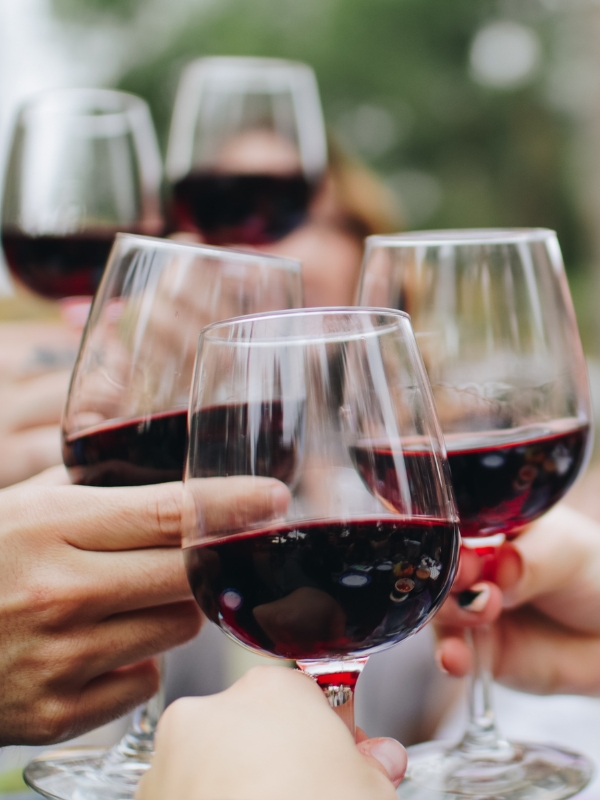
x: 438, y: 771
x: 85, y: 773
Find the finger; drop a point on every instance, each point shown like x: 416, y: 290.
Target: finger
x: 107, y: 698
x: 129, y: 638
x: 507, y: 568
x: 33, y: 402
x: 537, y: 655
x: 99, y: 519
x: 480, y: 604
x: 151, y: 516
x: 33, y: 347
x: 216, y: 505
x: 53, y: 476
x: 453, y: 654
x: 386, y: 755
x: 469, y: 570
x: 103, y: 584
x: 560, y: 564
x: 29, y: 453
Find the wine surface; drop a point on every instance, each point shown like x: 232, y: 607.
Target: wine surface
x: 499, y: 485
x: 58, y: 266
x: 325, y: 589
x: 152, y: 449
x: 132, y: 453
x: 242, y: 209
x: 246, y: 439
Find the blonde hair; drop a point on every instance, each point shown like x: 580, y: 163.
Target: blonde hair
x: 364, y: 204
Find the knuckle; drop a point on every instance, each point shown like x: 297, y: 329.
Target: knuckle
x: 42, y: 596
x: 166, y: 509
x: 55, y: 720
x: 52, y: 598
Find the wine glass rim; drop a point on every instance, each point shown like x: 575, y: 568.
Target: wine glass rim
x: 460, y: 237
x: 243, y: 63
x: 101, y: 102
x: 210, y: 250
x: 331, y: 311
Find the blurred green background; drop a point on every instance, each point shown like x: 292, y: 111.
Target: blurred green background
x: 475, y: 112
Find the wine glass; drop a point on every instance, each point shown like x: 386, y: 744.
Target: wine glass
x: 246, y: 150
x: 493, y: 317
x: 364, y: 550
x: 83, y: 164
x: 126, y: 417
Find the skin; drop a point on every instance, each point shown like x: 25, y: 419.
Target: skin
x: 93, y: 587
x: 546, y: 602
x: 257, y: 740
x: 330, y: 259
x: 35, y: 365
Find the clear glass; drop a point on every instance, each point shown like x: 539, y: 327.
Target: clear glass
x: 83, y: 164
x: 494, y: 321
x: 246, y: 150
x: 126, y: 417
x: 334, y: 404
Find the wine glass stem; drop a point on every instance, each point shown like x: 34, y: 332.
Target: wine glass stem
x: 481, y: 735
x: 341, y: 699
x: 138, y: 742
x: 337, y: 679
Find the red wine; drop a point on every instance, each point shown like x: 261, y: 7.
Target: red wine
x: 243, y: 209
x: 132, y: 453
x: 325, y: 589
x: 58, y: 266
x: 152, y: 449
x: 501, y: 484
x: 246, y: 439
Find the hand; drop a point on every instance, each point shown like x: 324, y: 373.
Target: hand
x: 547, y: 637
x: 93, y: 586
x: 30, y: 413
x: 35, y: 362
x: 34, y: 348
x: 271, y: 735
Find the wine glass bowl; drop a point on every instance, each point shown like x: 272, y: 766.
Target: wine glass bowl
x: 307, y: 399
x: 83, y: 164
x: 494, y: 321
x: 127, y: 403
x: 496, y: 328
x: 246, y: 149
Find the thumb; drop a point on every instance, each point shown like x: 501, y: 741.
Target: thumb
x: 214, y: 506
x: 387, y: 756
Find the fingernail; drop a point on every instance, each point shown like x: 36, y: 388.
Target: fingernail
x: 475, y: 599
x: 280, y: 498
x: 392, y: 757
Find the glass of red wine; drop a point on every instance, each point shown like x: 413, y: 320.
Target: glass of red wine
x: 126, y: 417
x: 493, y: 317
x: 83, y: 164
x: 312, y: 399
x: 246, y: 150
